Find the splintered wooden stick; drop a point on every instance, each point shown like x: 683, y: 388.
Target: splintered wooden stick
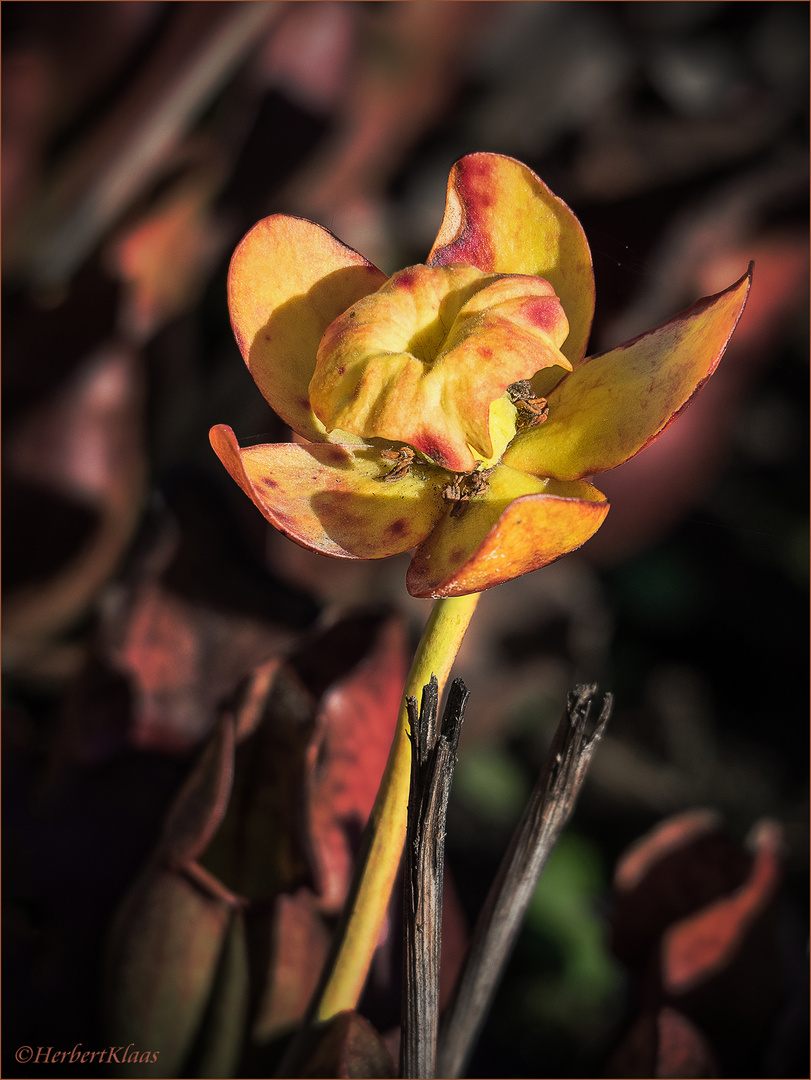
x: 547, y: 812
x: 433, y: 757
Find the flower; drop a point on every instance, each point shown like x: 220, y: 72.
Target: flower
x: 450, y: 408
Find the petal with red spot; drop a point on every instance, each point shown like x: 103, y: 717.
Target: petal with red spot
x: 332, y: 498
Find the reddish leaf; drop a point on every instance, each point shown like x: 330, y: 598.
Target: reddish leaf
x: 698, y: 920
x: 166, y: 255
x: 684, y: 863
x: 354, y: 732
x: 177, y: 637
x: 698, y: 947
x: 666, y: 838
x: 182, y: 660
x: 682, y: 1050
x: 308, y: 767
x: 314, y: 736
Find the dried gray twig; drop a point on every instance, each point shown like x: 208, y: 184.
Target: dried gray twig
x: 549, y: 808
x: 433, y: 759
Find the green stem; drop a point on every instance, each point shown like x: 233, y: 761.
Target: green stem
x: 387, y: 824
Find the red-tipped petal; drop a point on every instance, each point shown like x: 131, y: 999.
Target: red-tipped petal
x: 502, y: 218
x: 520, y: 525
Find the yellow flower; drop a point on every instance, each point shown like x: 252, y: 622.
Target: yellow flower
x: 450, y: 409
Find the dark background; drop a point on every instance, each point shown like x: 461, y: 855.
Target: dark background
x: 678, y: 134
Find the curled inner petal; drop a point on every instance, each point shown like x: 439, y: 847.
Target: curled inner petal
x: 422, y: 360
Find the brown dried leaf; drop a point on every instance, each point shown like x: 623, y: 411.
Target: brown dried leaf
x: 260, y: 847
x: 348, y: 1046
x: 85, y: 445
x: 200, y: 804
x: 407, y: 65
x: 45, y: 92
x: 300, y: 945
x: 136, y: 138
x: 310, y: 54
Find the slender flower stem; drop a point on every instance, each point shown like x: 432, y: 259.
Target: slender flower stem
x: 372, y: 889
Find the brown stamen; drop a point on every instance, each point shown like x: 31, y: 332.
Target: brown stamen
x: 464, y: 487
x: 531, y: 410
x: 403, y: 459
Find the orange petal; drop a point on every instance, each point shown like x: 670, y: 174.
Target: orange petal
x: 288, y: 280
x: 330, y: 498
x: 521, y: 524
x: 500, y: 217
x: 611, y: 406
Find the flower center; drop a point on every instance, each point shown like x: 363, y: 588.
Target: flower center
x: 427, y: 361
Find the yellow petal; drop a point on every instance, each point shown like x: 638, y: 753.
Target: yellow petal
x: 332, y: 498
x: 611, y: 406
x: 288, y: 280
x: 521, y: 524
x: 500, y: 217
x: 421, y: 360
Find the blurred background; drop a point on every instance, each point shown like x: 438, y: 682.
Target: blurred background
x: 141, y: 588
